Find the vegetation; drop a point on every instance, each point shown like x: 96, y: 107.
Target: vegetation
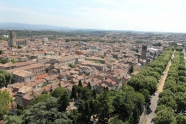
x: 157, y: 44
x: 148, y: 77
x: 102, y: 57
x: 1, y: 52
x: 136, y: 50
x: 13, y: 119
x: 140, y: 41
x: 58, y: 92
x: 13, y: 60
x: 5, y: 78
x: 72, y: 65
x: 45, y: 112
x: 3, y: 60
x: 5, y: 100
x: 40, y: 98
x: 173, y: 99
x: 97, y: 61
x: 19, y: 47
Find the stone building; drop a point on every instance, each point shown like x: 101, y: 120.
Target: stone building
x: 144, y: 50
x: 14, y: 41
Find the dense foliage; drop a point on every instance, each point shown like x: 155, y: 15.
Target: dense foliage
x: 5, y: 78
x: 173, y: 98
x: 148, y: 77
x: 5, y: 100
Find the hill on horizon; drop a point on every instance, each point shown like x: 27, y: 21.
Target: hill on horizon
x: 23, y: 26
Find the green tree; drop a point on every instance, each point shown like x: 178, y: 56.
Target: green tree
x: 105, y: 104
x: 40, y: 98
x: 86, y: 94
x: 13, y: 60
x: 80, y: 84
x: 5, y: 100
x: 58, y: 92
x: 181, y: 101
x: 63, y: 102
x: 20, y: 109
x: 3, y: 60
x: 168, y: 101
x: 145, y: 93
x: 116, y: 121
x: 181, y: 119
x: 87, y: 112
x: 163, y: 107
x: 19, y: 47
x: 166, y: 93
x: 74, y: 116
x: 74, y: 92
x: 124, y: 107
x: 89, y: 86
x: 45, y: 112
x: 46, y: 70
x: 72, y: 65
x: 2, y: 80
x: 165, y: 117
x: 13, y: 120
x: 1, y: 52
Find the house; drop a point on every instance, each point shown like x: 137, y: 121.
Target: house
x: 21, y: 92
x: 9, y: 66
x: 110, y: 83
x: 37, y: 83
x: 29, y: 96
x: 66, y: 60
x: 23, y: 76
x: 36, y: 69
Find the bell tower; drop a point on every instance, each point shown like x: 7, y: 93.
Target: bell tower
x: 12, y: 41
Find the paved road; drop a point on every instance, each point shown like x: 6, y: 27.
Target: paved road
x: 151, y: 112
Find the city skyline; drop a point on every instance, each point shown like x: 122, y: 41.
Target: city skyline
x: 137, y: 15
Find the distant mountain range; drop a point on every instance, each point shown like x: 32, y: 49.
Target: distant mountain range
x: 22, y: 26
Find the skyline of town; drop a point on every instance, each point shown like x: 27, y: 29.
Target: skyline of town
x: 93, y: 62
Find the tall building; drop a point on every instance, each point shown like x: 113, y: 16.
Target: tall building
x: 12, y: 38
x: 14, y: 41
x: 144, y: 50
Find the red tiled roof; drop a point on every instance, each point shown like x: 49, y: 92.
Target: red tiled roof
x: 41, y: 76
x: 85, y: 85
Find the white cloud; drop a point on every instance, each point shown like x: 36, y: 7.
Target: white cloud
x: 141, y: 15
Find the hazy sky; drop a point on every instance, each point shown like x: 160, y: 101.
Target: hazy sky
x: 140, y: 15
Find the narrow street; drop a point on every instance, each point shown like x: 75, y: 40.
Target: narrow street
x: 149, y: 114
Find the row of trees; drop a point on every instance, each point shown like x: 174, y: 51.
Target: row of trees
x: 173, y: 99
x: 147, y: 79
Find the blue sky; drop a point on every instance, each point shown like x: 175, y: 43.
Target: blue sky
x: 139, y: 15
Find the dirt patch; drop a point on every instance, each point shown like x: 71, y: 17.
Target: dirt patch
x: 163, y: 78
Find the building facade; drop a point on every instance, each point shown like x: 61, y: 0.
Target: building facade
x: 14, y: 41
x: 144, y: 50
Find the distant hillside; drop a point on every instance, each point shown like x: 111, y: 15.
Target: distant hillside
x: 22, y: 26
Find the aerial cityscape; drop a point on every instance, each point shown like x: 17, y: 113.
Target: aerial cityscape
x: 85, y: 63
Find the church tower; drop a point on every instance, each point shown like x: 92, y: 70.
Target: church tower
x: 12, y: 41
x: 144, y: 50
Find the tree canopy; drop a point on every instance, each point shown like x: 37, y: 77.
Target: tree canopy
x: 5, y: 100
